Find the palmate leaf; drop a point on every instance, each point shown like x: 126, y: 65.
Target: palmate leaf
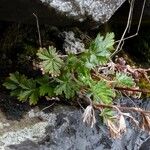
x: 66, y: 86
x: 102, y: 92
x: 15, y: 77
x: 100, y: 50
x: 123, y: 79
x: 13, y: 81
x: 22, y: 87
x: 102, y: 45
x: 50, y: 61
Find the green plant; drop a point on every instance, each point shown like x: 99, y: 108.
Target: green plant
x: 90, y: 74
x: 71, y: 74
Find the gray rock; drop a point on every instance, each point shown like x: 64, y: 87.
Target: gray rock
x: 72, y: 44
x: 33, y: 133
x: 99, y: 10
x: 59, y: 12
x: 145, y: 145
x: 68, y: 132
x: 26, y: 145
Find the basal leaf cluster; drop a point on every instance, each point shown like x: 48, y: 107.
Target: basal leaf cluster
x: 68, y: 75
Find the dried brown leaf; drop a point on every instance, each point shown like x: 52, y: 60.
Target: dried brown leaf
x: 122, y: 124
x: 132, y: 118
x: 114, y: 132
x: 89, y: 116
x: 145, y: 122
x: 117, y: 126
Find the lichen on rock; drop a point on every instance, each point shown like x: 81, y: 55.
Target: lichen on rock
x: 33, y: 133
x: 72, y: 44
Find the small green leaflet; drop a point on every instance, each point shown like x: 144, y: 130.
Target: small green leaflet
x: 46, y: 87
x: 91, y: 62
x: 10, y: 85
x: 50, y: 61
x: 109, y: 40
x: 72, y: 62
x: 13, y: 81
x: 99, y: 60
x: 66, y: 86
x: 34, y: 97
x: 31, y: 95
x: 86, y: 79
x: 123, y: 79
x: 102, y: 92
x: 106, y: 113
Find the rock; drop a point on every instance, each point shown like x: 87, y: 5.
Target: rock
x: 3, y: 125
x: 26, y: 145
x: 59, y: 12
x: 12, y: 109
x: 145, y: 145
x: 99, y: 10
x: 65, y: 130
x: 33, y: 133
x: 72, y: 44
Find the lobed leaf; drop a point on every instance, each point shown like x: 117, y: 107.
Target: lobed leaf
x: 50, y: 61
x: 22, y: 87
x: 123, y: 79
x: 100, y: 50
x: 66, y: 86
x: 102, y: 92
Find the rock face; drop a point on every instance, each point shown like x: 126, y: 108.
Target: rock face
x: 99, y: 10
x: 145, y: 145
x: 59, y: 12
x: 65, y: 130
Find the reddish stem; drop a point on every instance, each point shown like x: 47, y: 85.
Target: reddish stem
x: 132, y: 89
x: 98, y: 106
